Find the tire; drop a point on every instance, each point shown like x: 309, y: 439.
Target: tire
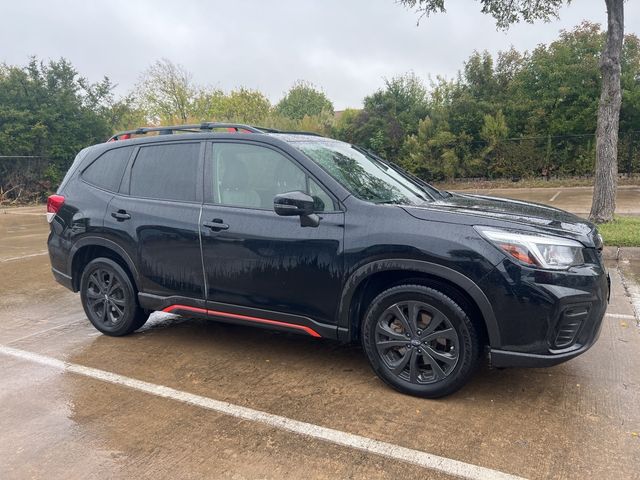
x: 109, y: 298
x: 420, y: 342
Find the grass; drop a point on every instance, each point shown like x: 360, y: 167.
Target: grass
x: 621, y: 232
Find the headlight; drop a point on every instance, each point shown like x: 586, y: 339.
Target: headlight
x: 543, y: 251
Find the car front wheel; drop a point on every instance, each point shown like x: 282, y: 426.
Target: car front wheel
x: 419, y: 341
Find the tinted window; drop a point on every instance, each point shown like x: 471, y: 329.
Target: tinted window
x: 168, y: 172
x: 322, y: 200
x: 107, y: 170
x: 364, y: 176
x: 250, y: 176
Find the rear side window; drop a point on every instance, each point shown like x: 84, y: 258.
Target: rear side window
x: 106, y: 171
x: 168, y: 172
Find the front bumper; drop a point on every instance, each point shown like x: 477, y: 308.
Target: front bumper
x: 504, y: 358
x: 545, y: 318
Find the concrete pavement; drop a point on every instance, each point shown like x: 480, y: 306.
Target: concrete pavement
x: 573, y: 199
x: 576, y: 420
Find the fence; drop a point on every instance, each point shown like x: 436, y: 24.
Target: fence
x: 544, y: 157
x: 571, y: 155
x: 23, y: 179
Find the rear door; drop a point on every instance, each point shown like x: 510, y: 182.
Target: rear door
x: 258, y: 260
x: 156, y: 218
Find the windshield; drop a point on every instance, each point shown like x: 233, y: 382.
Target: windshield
x: 363, y: 175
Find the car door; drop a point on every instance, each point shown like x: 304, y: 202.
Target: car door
x: 156, y: 218
x: 256, y: 261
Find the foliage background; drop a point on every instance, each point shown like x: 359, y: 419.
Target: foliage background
x: 515, y: 115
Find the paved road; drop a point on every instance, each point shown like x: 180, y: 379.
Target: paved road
x: 574, y: 199
x: 108, y: 411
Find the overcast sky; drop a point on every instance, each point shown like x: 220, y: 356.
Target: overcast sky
x: 347, y: 47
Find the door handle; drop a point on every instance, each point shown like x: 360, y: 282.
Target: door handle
x: 216, y: 225
x: 120, y: 215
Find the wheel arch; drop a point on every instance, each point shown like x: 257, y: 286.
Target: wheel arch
x: 88, y: 248
x: 374, y: 277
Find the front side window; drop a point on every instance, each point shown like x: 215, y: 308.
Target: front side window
x: 167, y: 172
x: 250, y: 176
x: 107, y: 170
x: 364, y: 176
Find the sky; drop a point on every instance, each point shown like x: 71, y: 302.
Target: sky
x: 345, y: 47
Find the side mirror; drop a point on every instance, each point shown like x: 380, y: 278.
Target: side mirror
x: 296, y: 203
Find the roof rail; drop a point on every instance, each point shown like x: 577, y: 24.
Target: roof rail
x: 289, y: 132
x: 195, y: 128
x: 301, y: 132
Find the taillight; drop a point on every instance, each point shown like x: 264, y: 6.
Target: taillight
x: 54, y: 204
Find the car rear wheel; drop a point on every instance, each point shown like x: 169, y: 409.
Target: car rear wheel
x: 109, y: 298
x: 419, y: 341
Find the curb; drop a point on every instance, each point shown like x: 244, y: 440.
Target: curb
x: 617, y: 253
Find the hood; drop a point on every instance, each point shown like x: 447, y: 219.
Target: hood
x: 542, y: 217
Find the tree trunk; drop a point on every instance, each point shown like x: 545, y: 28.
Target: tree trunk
x: 604, y: 192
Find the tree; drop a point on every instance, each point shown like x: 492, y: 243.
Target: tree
x: 209, y: 105
x: 124, y: 114
x: 246, y: 106
x: 167, y: 93
x: 431, y: 153
x: 494, y: 132
x: 345, y: 125
x: 507, y: 12
x: 604, y: 190
x: 303, y: 99
x: 47, y: 110
x: 389, y: 115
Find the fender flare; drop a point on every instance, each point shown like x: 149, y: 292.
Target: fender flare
x: 102, y: 242
x: 458, y: 279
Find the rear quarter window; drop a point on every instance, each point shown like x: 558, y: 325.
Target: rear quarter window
x: 107, y: 170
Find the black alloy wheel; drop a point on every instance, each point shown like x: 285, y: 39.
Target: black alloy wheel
x: 109, y: 298
x: 419, y: 341
x: 105, y: 297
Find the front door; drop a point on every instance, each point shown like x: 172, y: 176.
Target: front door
x: 258, y: 260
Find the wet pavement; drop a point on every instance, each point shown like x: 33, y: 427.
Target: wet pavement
x: 573, y: 199
x: 578, y: 420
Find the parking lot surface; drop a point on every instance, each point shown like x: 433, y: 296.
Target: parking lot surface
x: 188, y: 398
x: 573, y: 199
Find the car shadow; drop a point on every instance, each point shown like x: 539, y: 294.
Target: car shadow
x: 169, y: 349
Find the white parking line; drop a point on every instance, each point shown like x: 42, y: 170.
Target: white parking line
x: 9, y: 212
x: 23, y: 256
x: 555, y: 196
x: 389, y: 450
x: 619, y: 315
x: 40, y: 332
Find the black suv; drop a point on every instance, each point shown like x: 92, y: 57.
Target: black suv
x: 306, y: 234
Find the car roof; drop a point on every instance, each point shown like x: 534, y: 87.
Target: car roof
x: 209, y: 130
